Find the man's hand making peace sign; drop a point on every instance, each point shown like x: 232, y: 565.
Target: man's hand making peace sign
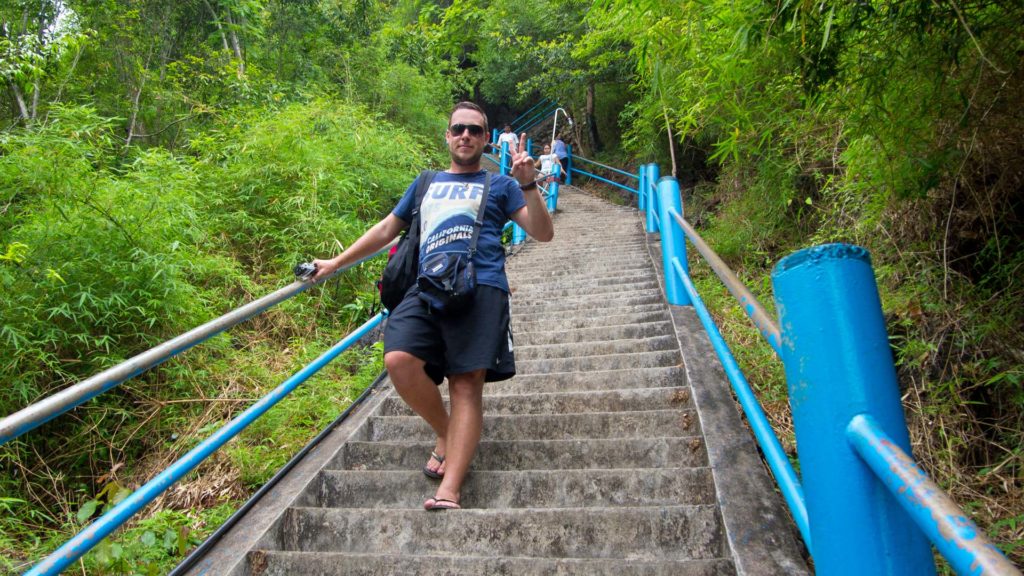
x: 523, y: 168
x: 533, y: 217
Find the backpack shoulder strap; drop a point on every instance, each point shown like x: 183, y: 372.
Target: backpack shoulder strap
x: 422, y: 183
x: 480, y: 214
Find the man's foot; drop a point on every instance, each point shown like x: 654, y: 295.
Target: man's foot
x: 440, y: 504
x: 432, y: 470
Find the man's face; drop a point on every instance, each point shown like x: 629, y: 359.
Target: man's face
x: 465, y: 148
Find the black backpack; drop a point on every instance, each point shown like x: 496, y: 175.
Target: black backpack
x: 403, y: 266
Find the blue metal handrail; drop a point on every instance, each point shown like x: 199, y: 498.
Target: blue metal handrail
x: 750, y: 304
x: 606, y: 167
x: 957, y: 538
x: 119, y: 514
x: 848, y: 379
x: 532, y: 108
x: 605, y: 180
x: 49, y: 408
x: 537, y: 118
x: 774, y: 454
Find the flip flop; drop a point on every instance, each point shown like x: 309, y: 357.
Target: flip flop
x: 434, y: 472
x: 441, y: 504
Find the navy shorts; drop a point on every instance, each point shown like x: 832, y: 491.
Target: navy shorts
x: 478, y: 338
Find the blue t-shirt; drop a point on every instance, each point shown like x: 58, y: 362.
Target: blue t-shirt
x: 449, y: 210
x: 559, y: 149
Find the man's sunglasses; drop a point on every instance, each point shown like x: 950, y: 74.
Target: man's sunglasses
x: 458, y: 129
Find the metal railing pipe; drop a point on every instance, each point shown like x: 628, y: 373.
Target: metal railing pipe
x: 640, y: 187
x: 553, y: 188
x: 49, y: 408
x: 605, y: 180
x: 610, y: 168
x: 673, y: 242
x: 751, y: 305
x: 518, y: 234
x: 774, y: 455
x: 119, y: 514
x: 505, y: 164
x: 543, y: 102
x: 568, y: 164
x: 537, y: 119
x: 957, y: 538
x: 839, y: 365
x: 652, y: 199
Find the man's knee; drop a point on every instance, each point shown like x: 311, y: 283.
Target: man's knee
x: 400, y: 363
x: 469, y: 383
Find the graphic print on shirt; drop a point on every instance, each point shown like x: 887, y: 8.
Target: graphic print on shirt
x: 447, y: 215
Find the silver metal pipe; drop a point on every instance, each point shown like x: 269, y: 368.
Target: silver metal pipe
x: 44, y: 410
x: 750, y: 304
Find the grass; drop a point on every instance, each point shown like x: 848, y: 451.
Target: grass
x: 166, y: 530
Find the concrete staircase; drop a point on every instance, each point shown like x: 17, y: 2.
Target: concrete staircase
x: 593, y: 459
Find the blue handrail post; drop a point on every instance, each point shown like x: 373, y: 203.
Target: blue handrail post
x: 568, y: 164
x: 553, y: 188
x: 494, y: 135
x: 529, y: 146
x: 838, y: 366
x: 518, y: 234
x: 641, y: 201
x: 652, y: 198
x: 673, y: 242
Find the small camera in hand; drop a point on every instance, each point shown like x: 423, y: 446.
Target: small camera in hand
x: 305, y: 270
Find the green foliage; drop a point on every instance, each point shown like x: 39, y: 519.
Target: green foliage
x: 106, y: 251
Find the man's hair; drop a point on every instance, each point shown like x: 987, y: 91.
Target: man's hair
x: 469, y: 106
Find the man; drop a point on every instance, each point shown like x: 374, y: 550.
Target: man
x: 474, y: 346
x: 509, y: 137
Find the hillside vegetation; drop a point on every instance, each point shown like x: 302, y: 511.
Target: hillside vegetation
x: 163, y: 162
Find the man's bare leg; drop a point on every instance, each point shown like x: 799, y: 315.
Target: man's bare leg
x: 464, y: 428
x: 421, y: 394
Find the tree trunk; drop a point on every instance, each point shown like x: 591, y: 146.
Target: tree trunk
x: 135, y: 102
x: 236, y: 45
x: 20, y: 100
x: 595, y: 138
x: 671, y: 143
x: 36, y: 89
x: 216, y: 22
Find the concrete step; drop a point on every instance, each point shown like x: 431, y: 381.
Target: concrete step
x: 624, y: 332
x: 530, y: 276
x: 602, y: 362
x: 646, y: 377
x: 637, y: 424
x: 624, y: 267
x: 573, y: 246
x: 653, y: 452
x: 527, y: 260
x: 568, y: 402
x: 488, y: 489
x: 595, y: 311
x: 551, y: 257
x: 558, y: 293
x: 577, y: 349
x: 655, y: 533
x: 281, y: 563
x: 566, y: 324
x: 626, y: 295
